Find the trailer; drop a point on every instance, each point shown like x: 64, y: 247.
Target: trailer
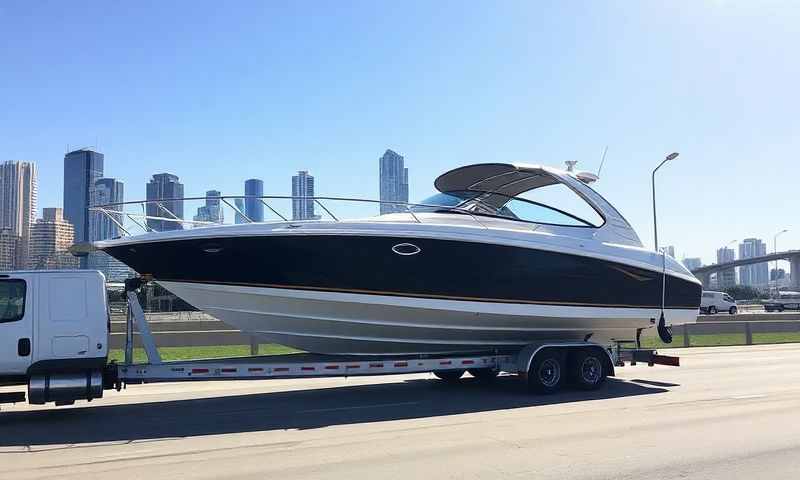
x: 55, y: 329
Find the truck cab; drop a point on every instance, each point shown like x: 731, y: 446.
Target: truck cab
x: 54, y: 333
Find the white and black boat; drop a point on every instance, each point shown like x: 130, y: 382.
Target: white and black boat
x: 478, y: 267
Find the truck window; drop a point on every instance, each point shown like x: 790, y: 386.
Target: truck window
x: 12, y: 300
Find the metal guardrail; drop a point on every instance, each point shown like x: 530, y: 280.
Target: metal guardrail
x: 201, y: 329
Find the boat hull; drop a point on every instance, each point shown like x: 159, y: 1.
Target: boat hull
x: 342, y: 323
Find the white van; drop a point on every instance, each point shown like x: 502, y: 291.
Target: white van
x: 713, y: 302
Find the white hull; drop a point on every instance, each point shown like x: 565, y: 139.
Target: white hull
x: 349, y: 323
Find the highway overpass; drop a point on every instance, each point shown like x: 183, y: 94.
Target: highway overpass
x: 792, y: 256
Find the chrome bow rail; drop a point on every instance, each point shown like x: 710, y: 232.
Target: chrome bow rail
x: 117, y: 213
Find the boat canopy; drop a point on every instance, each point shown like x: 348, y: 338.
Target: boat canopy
x: 503, y: 178
x: 499, y: 182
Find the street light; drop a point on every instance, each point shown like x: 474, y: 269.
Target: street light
x: 775, y: 250
x: 671, y: 156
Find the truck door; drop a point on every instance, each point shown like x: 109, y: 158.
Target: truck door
x: 16, y: 324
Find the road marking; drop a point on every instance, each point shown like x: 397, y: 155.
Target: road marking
x: 358, y: 407
x: 744, y: 397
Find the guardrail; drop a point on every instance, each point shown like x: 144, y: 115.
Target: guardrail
x: 200, y: 329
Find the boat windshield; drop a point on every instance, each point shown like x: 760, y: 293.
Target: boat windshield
x: 499, y: 205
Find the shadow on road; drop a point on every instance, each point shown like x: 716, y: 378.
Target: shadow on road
x: 304, y: 409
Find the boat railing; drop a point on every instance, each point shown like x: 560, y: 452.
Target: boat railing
x: 164, y: 214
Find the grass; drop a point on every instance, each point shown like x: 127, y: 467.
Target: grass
x: 720, y: 339
x: 193, y: 353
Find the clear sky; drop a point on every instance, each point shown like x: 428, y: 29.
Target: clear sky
x: 217, y: 92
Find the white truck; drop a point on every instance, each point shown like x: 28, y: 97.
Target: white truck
x: 55, y: 327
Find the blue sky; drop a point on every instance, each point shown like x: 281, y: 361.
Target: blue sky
x: 217, y: 92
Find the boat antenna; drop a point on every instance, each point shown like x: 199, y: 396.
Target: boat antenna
x: 602, y: 161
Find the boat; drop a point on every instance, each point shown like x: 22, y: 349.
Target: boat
x: 483, y: 265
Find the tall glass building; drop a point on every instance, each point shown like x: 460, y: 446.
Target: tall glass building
x: 82, y: 169
x: 303, y: 186
x: 212, y: 210
x: 18, y: 196
x: 165, y: 187
x: 758, y: 274
x: 106, y: 190
x: 393, y: 182
x: 253, y: 208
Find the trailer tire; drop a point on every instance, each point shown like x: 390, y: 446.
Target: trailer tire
x: 484, y: 374
x: 449, y: 376
x: 547, y: 371
x: 588, y: 368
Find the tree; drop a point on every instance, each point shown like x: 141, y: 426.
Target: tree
x: 745, y: 292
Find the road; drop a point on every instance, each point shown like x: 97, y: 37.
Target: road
x: 727, y: 413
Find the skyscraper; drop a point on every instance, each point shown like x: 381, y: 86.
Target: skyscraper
x: 303, y: 187
x: 102, y: 227
x: 726, y: 278
x: 106, y: 191
x: 18, y: 196
x: 82, y: 169
x: 212, y: 210
x: 670, y: 250
x: 239, y: 202
x: 165, y: 186
x: 253, y: 207
x: 393, y: 182
x: 51, y: 236
x: 757, y: 274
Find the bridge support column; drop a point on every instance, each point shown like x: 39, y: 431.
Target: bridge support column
x: 794, y: 265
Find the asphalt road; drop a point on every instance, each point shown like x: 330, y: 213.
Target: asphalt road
x: 727, y: 413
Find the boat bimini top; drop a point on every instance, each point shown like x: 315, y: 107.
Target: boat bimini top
x: 495, y: 186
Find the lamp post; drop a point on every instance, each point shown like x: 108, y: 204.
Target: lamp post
x: 671, y: 156
x: 775, y: 250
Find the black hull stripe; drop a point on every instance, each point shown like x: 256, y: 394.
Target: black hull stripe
x: 427, y: 296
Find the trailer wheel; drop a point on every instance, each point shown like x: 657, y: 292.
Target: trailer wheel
x: 547, y: 371
x: 484, y: 374
x: 587, y: 368
x: 449, y: 376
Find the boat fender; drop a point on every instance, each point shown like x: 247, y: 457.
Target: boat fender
x: 664, y: 331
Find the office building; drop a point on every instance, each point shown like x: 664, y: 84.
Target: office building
x: 726, y: 278
x: 302, y: 197
x: 101, y: 225
x: 212, y: 211
x: 756, y: 275
x: 51, y: 237
x: 82, y: 169
x: 393, y: 182
x: 239, y: 217
x: 253, y: 208
x: 8, y: 249
x: 692, y: 263
x: 168, y: 191
x: 18, y: 197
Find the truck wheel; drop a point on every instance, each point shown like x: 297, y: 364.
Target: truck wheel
x: 586, y: 369
x: 732, y: 311
x: 712, y: 310
x: 449, y: 376
x: 547, y: 371
x: 484, y: 374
